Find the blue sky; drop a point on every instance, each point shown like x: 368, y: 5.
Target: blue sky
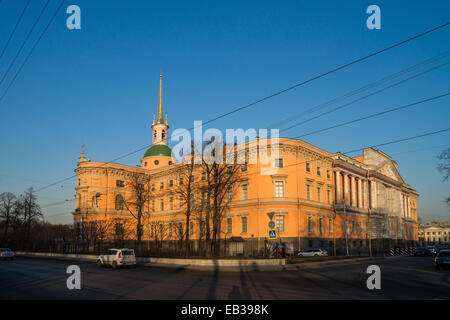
x: 99, y: 85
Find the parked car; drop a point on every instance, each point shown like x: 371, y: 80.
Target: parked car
x: 6, y: 254
x: 313, y: 253
x: 432, y: 249
x: 439, y: 248
x: 442, y: 259
x: 117, y: 258
x: 422, y: 251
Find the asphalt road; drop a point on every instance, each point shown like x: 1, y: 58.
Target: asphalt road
x: 401, y: 278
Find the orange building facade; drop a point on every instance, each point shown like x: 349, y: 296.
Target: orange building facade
x: 318, y: 199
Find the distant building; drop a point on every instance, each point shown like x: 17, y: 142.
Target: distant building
x: 434, y: 233
x: 312, y: 193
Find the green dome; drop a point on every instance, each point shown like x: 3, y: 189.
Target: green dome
x: 158, y: 150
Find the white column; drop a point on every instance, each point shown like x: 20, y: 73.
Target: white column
x: 366, y: 194
x: 360, y: 193
x: 338, y: 186
x: 353, y: 191
x: 403, y: 205
x: 373, y: 193
x: 346, y: 188
x: 409, y: 207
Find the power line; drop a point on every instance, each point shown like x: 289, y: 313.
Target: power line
x: 366, y: 96
x: 367, y: 147
x: 362, y: 89
x: 374, y: 115
x: 279, y: 92
x: 57, y: 203
x: 15, y: 28
x: 401, y: 140
x: 32, y: 50
x: 24, y: 41
x: 422, y: 149
x: 327, y: 73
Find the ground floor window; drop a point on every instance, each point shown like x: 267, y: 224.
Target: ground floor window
x: 229, y: 225
x: 280, y: 223
x: 244, y: 224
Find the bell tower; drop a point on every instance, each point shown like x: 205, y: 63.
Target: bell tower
x: 160, y: 126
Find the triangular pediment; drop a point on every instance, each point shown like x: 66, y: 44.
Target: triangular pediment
x: 388, y: 169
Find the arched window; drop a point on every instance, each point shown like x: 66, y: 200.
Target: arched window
x: 119, y: 202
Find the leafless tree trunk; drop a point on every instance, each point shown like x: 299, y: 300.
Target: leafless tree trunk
x: 444, y: 167
x: 7, y: 201
x: 222, y: 178
x: 136, y: 203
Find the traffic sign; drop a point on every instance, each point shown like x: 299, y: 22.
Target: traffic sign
x: 270, y: 214
x: 273, y: 234
x: 271, y: 224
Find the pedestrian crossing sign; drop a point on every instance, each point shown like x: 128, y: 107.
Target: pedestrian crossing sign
x: 273, y: 234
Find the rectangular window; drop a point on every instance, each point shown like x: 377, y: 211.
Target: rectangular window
x: 318, y: 171
x: 153, y: 187
x: 203, y: 177
x: 330, y: 225
x: 170, y: 183
x: 180, y: 202
x: 280, y: 223
x: 308, y: 192
x: 181, y: 181
x: 361, y: 228
x: 161, y: 231
x: 310, y: 225
x: 171, y: 203
x: 320, y: 225
x: 161, y: 185
x: 353, y: 227
x: 191, y: 228
x: 230, y: 194
x: 202, y: 228
x: 328, y: 174
x: 152, y: 205
x: 319, y: 191
x: 203, y: 199
x: 328, y: 196
x: 279, y: 163
x: 279, y: 189
x: 229, y: 225
x: 170, y: 230
x: 120, y: 183
x: 244, y: 224
x: 161, y: 204
x: 244, y: 191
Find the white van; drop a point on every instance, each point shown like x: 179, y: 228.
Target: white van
x: 117, y: 258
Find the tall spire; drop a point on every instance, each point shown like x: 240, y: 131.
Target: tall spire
x: 160, y: 117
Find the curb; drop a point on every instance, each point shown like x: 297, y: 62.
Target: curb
x: 285, y: 267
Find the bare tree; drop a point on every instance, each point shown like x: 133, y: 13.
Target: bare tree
x: 30, y: 212
x: 444, y: 167
x: 7, y: 202
x: 186, y: 191
x: 136, y: 202
x: 222, y: 179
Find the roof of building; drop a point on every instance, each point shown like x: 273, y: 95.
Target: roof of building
x: 158, y: 150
